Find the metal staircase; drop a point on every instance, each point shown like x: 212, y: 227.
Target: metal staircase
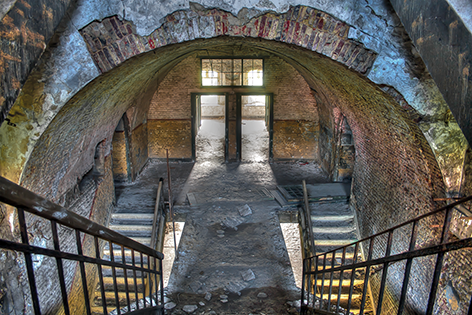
x: 128, y: 277
x: 341, y: 280
x: 144, y: 225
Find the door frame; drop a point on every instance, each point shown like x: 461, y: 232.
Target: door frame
x: 196, y: 118
x: 269, y: 107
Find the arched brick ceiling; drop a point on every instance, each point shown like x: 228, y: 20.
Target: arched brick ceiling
x: 387, y: 141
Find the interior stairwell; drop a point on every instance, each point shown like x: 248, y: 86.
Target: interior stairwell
x: 334, y: 225
x: 133, y: 220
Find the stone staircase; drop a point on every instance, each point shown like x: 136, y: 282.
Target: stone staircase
x: 334, y: 225
x: 132, y: 217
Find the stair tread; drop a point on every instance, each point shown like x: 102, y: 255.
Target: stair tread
x: 332, y: 230
x: 129, y: 227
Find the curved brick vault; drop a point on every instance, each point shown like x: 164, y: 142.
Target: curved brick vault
x: 112, y: 41
x: 393, y: 159
x: 65, y: 150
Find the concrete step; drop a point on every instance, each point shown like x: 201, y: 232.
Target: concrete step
x: 111, y: 300
x: 132, y: 230
x: 344, y: 299
x: 143, y: 240
x: 331, y: 232
x: 132, y: 218
x: 108, y: 272
x: 98, y: 310
x: 120, y: 282
x: 325, y: 245
x: 329, y: 222
x: 346, y: 285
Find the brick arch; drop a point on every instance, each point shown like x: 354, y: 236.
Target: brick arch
x: 112, y: 41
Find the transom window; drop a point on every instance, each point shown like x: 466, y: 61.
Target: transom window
x: 232, y: 72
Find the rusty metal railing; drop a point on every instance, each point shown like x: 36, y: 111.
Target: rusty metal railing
x: 323, y: 272
x: 304, y: 218
x: 95, y: 236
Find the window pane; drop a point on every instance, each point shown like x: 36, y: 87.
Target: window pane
x: 237, y: 78
x: 257, y: 65
x: 227, y: 65
x: 216, y: 65
x: 237, y: 63
x: 206, y: 65
x: 227, y: 79
x: 247, y: 65
x: 228, y: 72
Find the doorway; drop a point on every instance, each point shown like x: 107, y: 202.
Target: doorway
x: 209, y: 126
x: 254, y: 127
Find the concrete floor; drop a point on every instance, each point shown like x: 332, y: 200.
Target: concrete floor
x: 217, y: 244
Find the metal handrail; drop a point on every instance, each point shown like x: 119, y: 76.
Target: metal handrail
x: 27, y: 201
x: 311, y: 265
x: 158, y: 214
x: 306, y: 225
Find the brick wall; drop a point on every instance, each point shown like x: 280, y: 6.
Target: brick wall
x: 295, y: 110
x: 139, y: 149
x: 120, y: 167
x: 174, y: 135
x: 295, y: 139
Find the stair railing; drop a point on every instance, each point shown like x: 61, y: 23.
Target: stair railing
x: 157, y: 231
x: 324, y: 266
x: 304, y: 217
x: 96, y: 235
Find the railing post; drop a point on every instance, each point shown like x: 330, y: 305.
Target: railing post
x: 384, y: 273
x: 315, y: 278
x: 162, y: 281
x: 343, y: 259
x: 133, y: 261
x: 82, y: 273
x: 322, y: 281
x: 366, y: 277
x: 100, y: 276
x: 351, y: 288
x: 29, y: 262
x: 125, y: 274
x: 331, y: 279
x: 409, y: 262
x: 115, y: 285
x: 304, y: 275
x: 439, y: 263
x: 60, y: 268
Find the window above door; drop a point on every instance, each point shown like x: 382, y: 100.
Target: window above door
x: 232, y: 72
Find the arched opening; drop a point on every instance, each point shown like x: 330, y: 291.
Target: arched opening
x: 107, y: 98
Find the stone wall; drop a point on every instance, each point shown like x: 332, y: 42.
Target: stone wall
x: 23, y: 39
x: 443, y: 39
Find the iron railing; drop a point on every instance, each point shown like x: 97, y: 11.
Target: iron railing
x: 84, y: 251
x: 331, y: 270
x: 304, y: 218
